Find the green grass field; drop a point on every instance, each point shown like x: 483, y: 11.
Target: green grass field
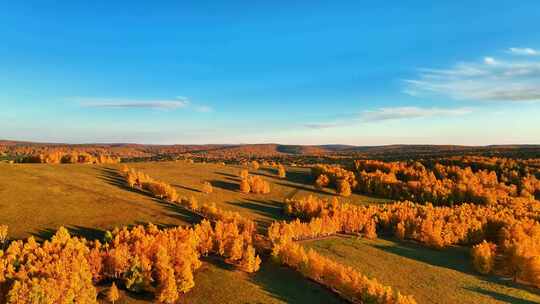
x: 431, y: 276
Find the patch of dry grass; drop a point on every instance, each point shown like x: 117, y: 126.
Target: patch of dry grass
x: 431, y: 276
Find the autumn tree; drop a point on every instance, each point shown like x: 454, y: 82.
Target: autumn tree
x: 244, y: 174
x: 3, y: 235
x: 250, y: 260
x: 281, y: 171
x: 483, y: 257
x: 244, y: 186
x: 113, y: 295
x: 343, y: 188
x: 370, y: 231
x: 259, y: 185
x: 255, y: 165
x: 207, y: 188
x: 322, y: 181
x: 193, y: 204
x: 532, y: 270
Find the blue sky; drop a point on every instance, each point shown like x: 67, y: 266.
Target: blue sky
x: 385, y: 72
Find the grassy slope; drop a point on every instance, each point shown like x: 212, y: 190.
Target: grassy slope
x: 37, y: 199
x: 263, y: 208
x: 431, y: 276
x: 272, y: 284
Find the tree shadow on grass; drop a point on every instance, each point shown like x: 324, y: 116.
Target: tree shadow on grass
x: 271, y: 211
x: 182, y: 213
x: 499, y: 296
x: 289, y: 286
x: 455, y: 258
x: 186, y: 188
x: 224, y: 185
x: 218, y: 262
x: 264, y: 175
x: 301, y: 187
x: 226, y: 174
x: 78, y: 231
x: 115, y: 178
x: 296, y: 177
x: 270, y: 170
x: 103, y: 287
x: 300, y: 177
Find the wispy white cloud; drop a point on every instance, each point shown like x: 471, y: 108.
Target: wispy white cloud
x: 524, y: 51
x: 490, y: 80
x: 179, y: 102
x: 203, y: 109
x: 127, y: 103
x: 319, y: 126
x: 410, y: 112
x: 490, y: 60
x: 391, y: 113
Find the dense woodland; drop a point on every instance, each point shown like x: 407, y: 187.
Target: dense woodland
x: 342, y: 154
x: 448, y: 181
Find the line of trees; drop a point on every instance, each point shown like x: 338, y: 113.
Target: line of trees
x: 73, y: 157
x: 237, y: 248
x: 347, y: 282
x: 142, y: 259
x: 253, y: 183
x: 505, y: 238
x: 232, y: 235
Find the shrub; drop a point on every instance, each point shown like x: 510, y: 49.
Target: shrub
x: 483, y: 257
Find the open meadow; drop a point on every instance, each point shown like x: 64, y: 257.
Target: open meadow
x: 269, y: 152
x: 431, y: 276
x: 36, y: 199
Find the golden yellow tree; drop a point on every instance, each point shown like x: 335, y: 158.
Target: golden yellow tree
x: 322, y: 181
x: 370, y: 231
x: 343, y: 187
x: 113, y: 295
x: 255, y: 165
x: 167, y: 291
x: 250, y: 260
x: 483, y: 256
x: 244, y: 186
x: 244, y: 174
x: 532, y: 270
x: 207, y: 188
x: 281, y: 171
x: 3, y: 235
